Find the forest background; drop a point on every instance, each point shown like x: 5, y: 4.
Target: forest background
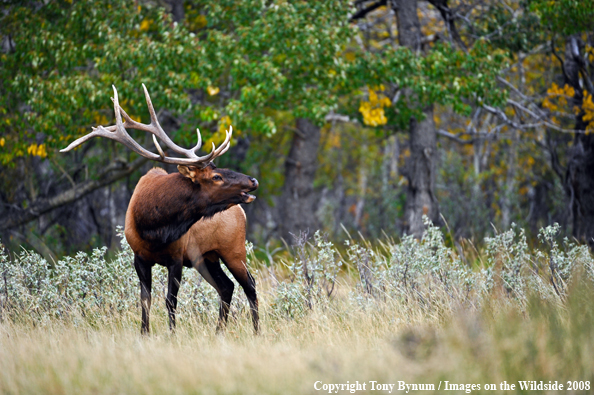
x: 362, y: 115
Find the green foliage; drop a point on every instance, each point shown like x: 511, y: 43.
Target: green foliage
x: 565, y: 16
x: 265, y: 57
x: 445, y: 75
x: 512, y: 28
x: 284, y: 56
x: 56, y: 82
x: 250, y: 60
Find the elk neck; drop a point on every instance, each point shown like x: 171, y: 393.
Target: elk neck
x: 170, y: 207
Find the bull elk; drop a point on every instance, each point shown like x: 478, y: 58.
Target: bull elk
x: 190, y: 218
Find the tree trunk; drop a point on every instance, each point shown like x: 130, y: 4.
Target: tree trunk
x: 580, y: 168
x: 297, y: 203
x: 420, y: 172
x: 509, y: 188
x: 362, y: 184
x: 420, y: 169
x: 177, y: 10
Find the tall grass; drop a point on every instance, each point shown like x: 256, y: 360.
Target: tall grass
x: 417, y: 312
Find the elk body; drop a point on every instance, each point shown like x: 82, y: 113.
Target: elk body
x: 172, y: 218
x: 221, y: 236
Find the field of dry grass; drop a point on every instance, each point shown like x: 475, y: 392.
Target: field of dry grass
x: 464, y: 331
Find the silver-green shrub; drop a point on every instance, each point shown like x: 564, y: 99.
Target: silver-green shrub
x: 90, y: 286
x: 313, y: 276
x: 426, y: 272
x: 86, y: 285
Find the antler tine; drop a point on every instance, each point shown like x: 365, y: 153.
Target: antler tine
x: 158, y: 147
x: 115, y: 132
x: 199, y: 144
x: 216, y: 152
x: 156, y: 129
x: 226, y: 144
x: 118, y: 133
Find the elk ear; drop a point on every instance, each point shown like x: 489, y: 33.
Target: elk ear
x: 188, y: 171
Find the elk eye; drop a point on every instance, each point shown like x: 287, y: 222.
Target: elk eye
x: 217, y: 178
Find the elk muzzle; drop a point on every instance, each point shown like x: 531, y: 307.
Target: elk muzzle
x: 245, y: 196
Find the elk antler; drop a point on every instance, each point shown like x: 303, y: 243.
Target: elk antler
x: 118, y: 133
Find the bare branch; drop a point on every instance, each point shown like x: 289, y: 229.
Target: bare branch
x: 363, y: 12
x: 112, y: 173
x: 525, y: 126
x: 454, y: 137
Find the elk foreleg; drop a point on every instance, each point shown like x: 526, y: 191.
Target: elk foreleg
x: 173, y: 283
x: 143, y: 269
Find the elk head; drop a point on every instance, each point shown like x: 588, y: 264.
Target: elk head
x: 221, y: 184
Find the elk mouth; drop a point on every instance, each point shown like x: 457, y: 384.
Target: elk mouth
x: 247, y: 198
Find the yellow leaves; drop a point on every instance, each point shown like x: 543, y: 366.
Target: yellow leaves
x: 200, y: 22
x: 588, y: 107
x: 372, y: 116
x: 557, y: 97
x: 530, y: 161
x: 217, y: 138
x: 224, y: 123
x: 566, y: 91
x: 145, y: 25
x: 100, y: 119
x: 2, y: 141
x: 212, y: 90
x: 37, y: 150
x: 373, y: 110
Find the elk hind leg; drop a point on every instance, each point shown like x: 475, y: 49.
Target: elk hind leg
x: 238, y: 269
x: 173, y: 283
x: 143, y: 269
x: 223, y: 285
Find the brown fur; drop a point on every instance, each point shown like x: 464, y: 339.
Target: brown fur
x: 222, y: 234
x: 165, y: 206
x: 191, y: 219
